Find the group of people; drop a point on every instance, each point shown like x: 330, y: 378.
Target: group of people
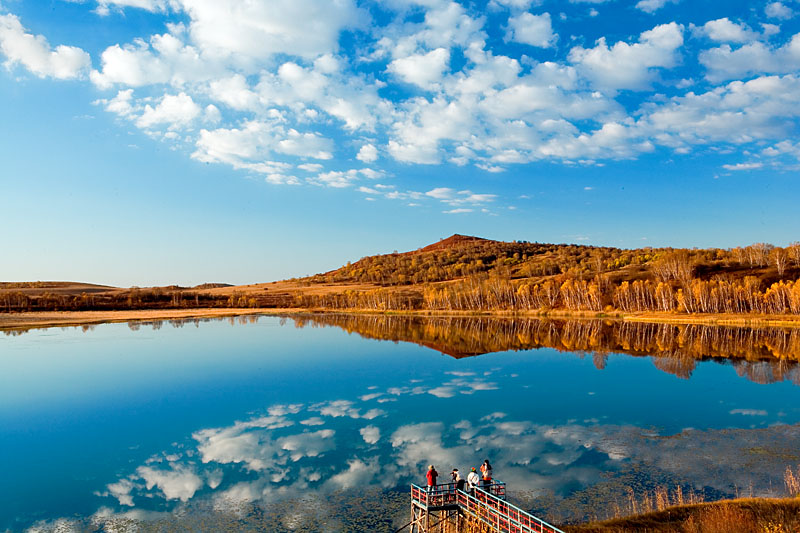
x: 473, y: 480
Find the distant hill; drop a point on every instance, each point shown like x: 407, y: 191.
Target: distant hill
x: 55, y: 287
x: 461, y: 256
x: 453, y: 241
x: 212, y: 286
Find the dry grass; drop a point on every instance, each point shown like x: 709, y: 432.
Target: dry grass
x: 45, y: 319
x: 748, y: 515
x: 791, y: 479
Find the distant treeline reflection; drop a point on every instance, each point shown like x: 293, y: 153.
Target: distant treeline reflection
x: 764, y: 355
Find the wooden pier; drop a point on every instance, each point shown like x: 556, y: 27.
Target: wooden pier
x: 445, y: 509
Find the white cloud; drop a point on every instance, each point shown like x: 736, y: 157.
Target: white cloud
x: 178, y: 484
x: 455, y: 198
x: 424, y: 154
x: 340, y: 179
x: 535, y: 30
x: 783, y: 148
x: 104, y: 6
x: 258, y: 30
x: 358, y: 474
x: 277, y: 178
x: 778, y: 10
x: 441, y: 193
x: 238, y: 84
x: 235, y: 146
x: 725, y: 31
x: 165, y: 59
x: 445, y: 391
x: 35, y: 54
x: 336, y: 409
x: 738, y: 113
x: 370, y: 434
x: 424, y: 70
x: 235, y: 93
x: 309, y: 444
x: 176, y: 111
x: 748, y: 412
x: 373, y: 413
x: 122, y: 490
x: 514, y: 4
x: 368, y: 153
x: 743, y: 166
x: 121, y: 104
x: 651, y: 6
x: 725, y: 63
x: 305, y: 145
x: 629, y: 66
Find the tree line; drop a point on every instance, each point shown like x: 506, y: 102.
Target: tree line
x: 495, y: 293
x: 135, y: 298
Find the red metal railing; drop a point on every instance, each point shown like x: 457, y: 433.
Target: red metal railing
x: 489, y: 507
x: 447, y: 493
x: 439, y: 495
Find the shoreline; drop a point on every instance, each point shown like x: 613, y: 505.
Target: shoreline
x: 55, y: 319
x: 48, y: 319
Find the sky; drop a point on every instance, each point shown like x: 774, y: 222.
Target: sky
x: 152, y: 142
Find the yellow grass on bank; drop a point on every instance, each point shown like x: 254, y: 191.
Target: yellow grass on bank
x: 44, y: 319
x: 746, y: 515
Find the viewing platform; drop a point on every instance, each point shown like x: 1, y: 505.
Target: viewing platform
x: 447, y: 509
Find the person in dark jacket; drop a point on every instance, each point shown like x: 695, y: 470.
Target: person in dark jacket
x: 431, y: 475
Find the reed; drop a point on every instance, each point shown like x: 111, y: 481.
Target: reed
x: 747, y: 515
x: 791, y: 480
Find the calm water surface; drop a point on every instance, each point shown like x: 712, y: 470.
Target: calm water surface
x: 231, y: 420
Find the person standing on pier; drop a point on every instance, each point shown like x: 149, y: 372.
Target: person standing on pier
x: 473, y: 479
x: 457, y: 479
x: 486, y: 472
x: 432, y: 475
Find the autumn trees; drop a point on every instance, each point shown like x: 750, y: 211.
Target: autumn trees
x: 137, y: 298
x: 483, y: 275
x: 484, y: 292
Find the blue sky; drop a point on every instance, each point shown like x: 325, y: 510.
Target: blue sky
x: 183, y: 141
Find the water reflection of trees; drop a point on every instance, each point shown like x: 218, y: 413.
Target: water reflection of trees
x: 763, y: 355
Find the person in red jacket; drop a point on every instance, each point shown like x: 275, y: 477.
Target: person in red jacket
x: 432, y: 475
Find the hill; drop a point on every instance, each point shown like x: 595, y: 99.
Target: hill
x: 472, y: 274
x: 464, y: 273
x: 459, y: 255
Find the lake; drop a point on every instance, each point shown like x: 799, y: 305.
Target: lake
x: 320, y: 422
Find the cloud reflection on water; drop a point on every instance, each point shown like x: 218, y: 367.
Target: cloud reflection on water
x: 299, y: 450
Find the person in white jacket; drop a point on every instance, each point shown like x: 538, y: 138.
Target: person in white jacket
x: 473, y: 479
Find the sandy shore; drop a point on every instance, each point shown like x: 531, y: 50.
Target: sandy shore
x: 46, y: 319
x: 79, y: 318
